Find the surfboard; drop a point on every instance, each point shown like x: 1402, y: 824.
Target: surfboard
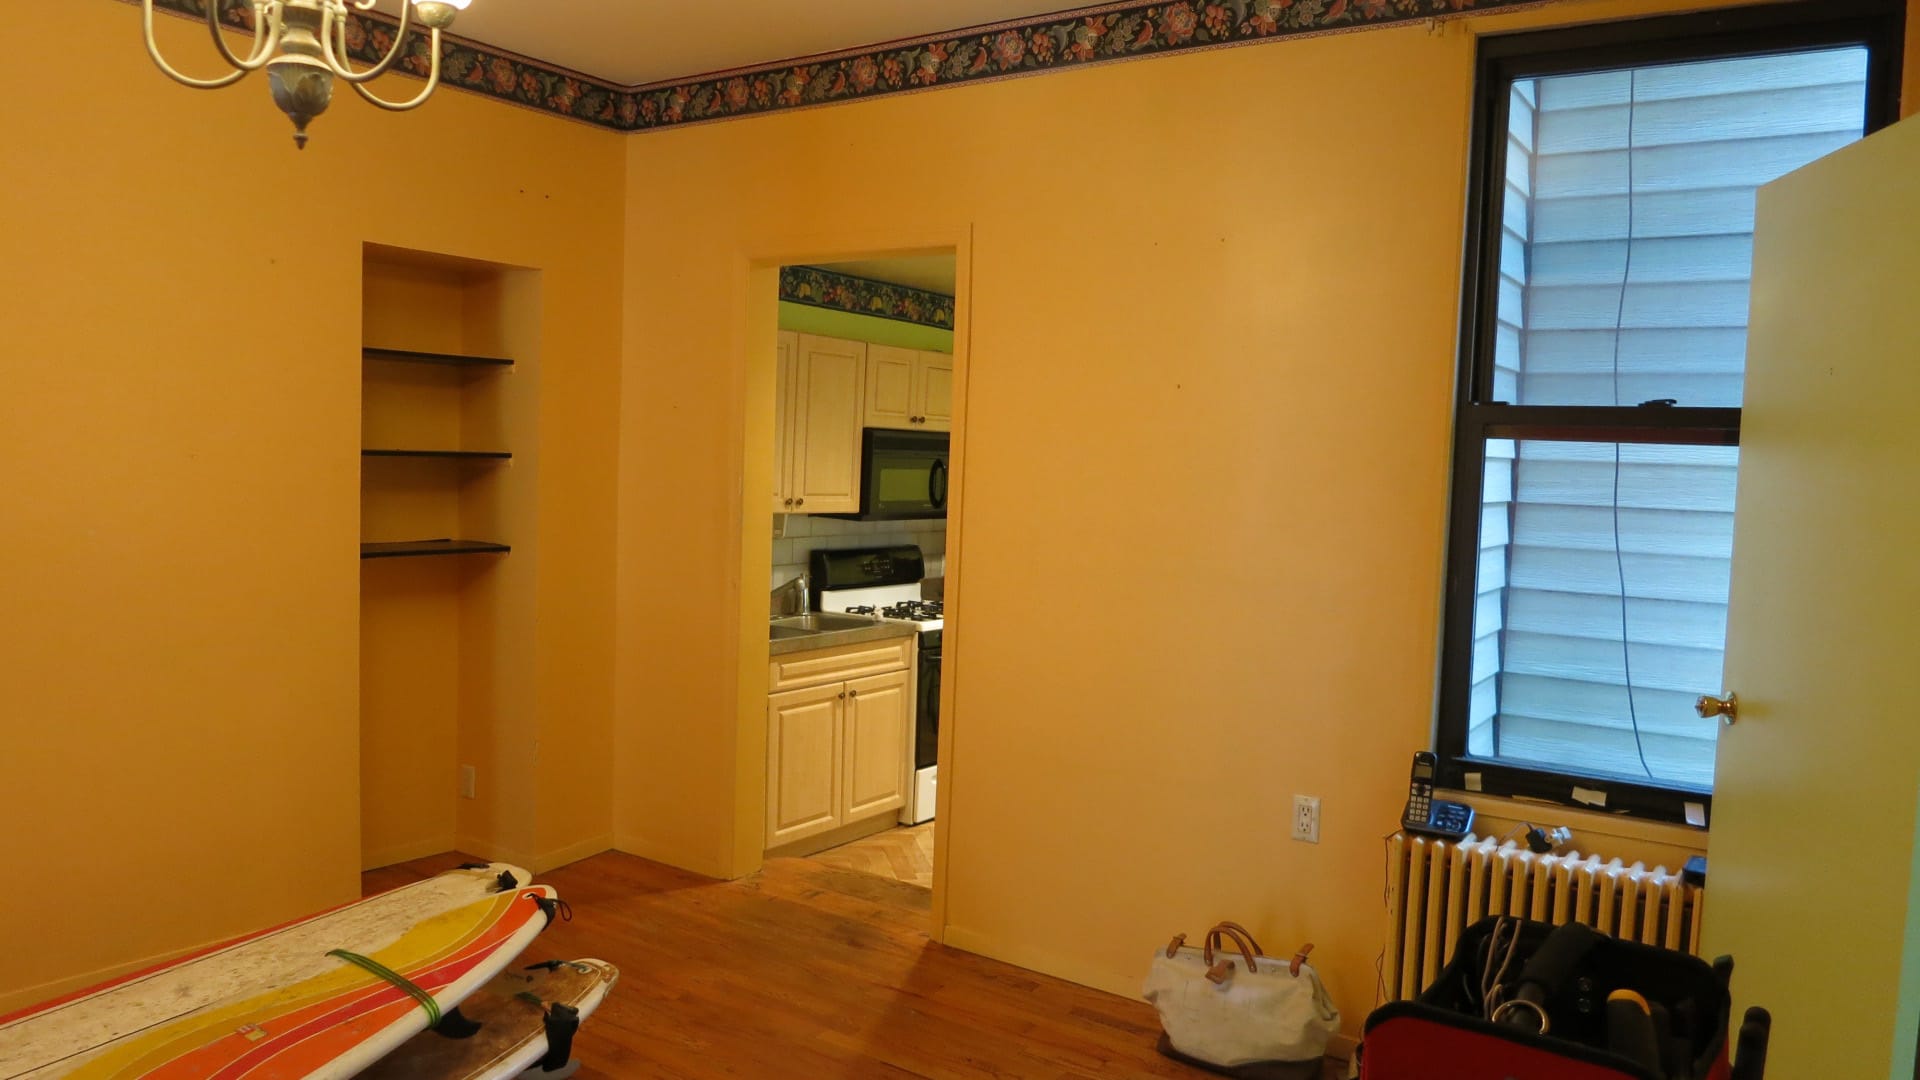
x: 292, y: 1001
x: 516, y: 1013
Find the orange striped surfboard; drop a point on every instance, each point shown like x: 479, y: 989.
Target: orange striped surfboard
x: 274, y: 1005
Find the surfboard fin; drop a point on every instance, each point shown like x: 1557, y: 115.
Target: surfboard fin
x: 562, y: 1023
x: 455, y: 1025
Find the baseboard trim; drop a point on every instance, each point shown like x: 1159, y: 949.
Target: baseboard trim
x: 845, y: 834
x: 399, y: 853
x: 1119, y: 985
x: 642, y: 848
x: 572, y: 853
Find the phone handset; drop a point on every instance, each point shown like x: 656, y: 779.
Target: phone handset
x: 1426, y: 814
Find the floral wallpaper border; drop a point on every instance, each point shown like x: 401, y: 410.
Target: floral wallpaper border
x: 1061, y: 41
x: 817, y: 287
x: 1056, y: 42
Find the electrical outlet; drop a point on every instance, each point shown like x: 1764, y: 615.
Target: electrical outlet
x: 1306, y: 818
x: 467, y: 781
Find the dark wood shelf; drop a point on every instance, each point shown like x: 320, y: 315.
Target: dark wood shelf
x: 412, y: 548
x: 409, y: 356
x: 489, y: 455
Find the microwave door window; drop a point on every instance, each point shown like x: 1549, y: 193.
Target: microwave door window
x: 902, y: 484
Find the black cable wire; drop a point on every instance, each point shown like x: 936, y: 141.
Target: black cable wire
x: 1619, y: 323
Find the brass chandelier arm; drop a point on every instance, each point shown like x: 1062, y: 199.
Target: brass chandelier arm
x: 342, y: 62
x: 433, y: 81
x: 267, y: 27
x: 153, y: 50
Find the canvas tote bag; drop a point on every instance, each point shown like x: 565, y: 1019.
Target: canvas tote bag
x: 1224, y: 1009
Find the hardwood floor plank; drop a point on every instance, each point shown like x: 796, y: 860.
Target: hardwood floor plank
x: 809, y: 970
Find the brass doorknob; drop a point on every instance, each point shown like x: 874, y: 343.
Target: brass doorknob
x: 1709, y: 706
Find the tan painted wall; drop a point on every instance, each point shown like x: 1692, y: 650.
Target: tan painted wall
x: 179, y: 331
x: 1213, y: 297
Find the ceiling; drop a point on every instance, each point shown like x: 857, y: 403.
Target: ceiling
x: 933, y: 273
x: 632, y: 42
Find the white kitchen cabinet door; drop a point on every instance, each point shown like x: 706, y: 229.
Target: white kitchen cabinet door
x: 786, y: 353
x: 874, y: 745
x: 892, y: 384
x: 829, y: 378
x: 935, y: 380
x: 803, y: 763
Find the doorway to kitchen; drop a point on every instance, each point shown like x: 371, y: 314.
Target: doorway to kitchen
x: 861, y: 470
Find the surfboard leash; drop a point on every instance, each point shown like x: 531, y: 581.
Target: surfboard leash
x: 451, y: 1024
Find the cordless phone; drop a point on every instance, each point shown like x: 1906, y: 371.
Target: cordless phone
x: 1426, y: 814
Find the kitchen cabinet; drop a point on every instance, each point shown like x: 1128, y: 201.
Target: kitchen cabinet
x: 837, y: 750
x: 803, y: 755
x: 819, y: 391
x: 787, y: 354
x: 908, y: 389
x: 873, y: 751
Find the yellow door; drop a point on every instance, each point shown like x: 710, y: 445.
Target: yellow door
x: 874, y: 752
x: 1812, y: 841
x: 803, y: 759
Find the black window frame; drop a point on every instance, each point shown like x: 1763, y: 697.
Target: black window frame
x: 1879, y: 26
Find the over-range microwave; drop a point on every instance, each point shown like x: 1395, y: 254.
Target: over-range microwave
x: 903, y: 474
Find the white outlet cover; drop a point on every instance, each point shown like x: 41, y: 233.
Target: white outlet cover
x: 1306, y: 818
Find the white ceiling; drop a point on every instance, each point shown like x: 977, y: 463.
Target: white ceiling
x: 643, y: 41
x: 934, y: 273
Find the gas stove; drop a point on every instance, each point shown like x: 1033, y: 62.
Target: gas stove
x: 880, y: 582
x: 927, y: 613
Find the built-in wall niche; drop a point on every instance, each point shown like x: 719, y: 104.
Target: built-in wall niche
x: 438, y: 377
x: 449, y: 371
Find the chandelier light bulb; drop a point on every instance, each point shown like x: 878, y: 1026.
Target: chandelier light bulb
x: 302, y: 44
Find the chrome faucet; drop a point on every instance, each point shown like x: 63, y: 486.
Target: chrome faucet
x: 792, y: 598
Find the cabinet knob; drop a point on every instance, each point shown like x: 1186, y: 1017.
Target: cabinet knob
x: 799, y: 502
x: 853, y: 693
x: 789, y: 501
x: 843, y: 695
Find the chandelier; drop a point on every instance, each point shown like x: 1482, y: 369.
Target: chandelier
x: 303, y: 46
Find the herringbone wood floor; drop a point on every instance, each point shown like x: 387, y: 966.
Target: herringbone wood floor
x: 899, y: 854
x: 808, y: 972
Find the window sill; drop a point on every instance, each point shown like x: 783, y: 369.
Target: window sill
x: 1614, y: 836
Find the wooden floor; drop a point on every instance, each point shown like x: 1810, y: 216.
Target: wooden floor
x: 808, y: 971
x: 897, y: 854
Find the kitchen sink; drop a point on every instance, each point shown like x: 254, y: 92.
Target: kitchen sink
x: 819, y: 622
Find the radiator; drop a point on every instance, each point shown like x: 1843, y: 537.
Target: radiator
x: 1436, y: 889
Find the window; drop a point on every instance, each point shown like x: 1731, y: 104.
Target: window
x: 1597, y: 437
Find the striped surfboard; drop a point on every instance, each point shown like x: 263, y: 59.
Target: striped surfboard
x: 276, y: 1005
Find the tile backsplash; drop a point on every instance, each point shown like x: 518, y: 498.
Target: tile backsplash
x: 803, y: 533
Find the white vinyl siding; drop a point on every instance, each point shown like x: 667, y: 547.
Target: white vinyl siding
x: 1550, y: 679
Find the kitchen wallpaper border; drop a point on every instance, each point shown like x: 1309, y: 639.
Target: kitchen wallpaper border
x: 818, y: 287
x: 1076, y: 38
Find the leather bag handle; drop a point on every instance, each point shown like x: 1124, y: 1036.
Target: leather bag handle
x: 1223, y: 924
x: 1298, y: 959
x: 1240, y: 938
